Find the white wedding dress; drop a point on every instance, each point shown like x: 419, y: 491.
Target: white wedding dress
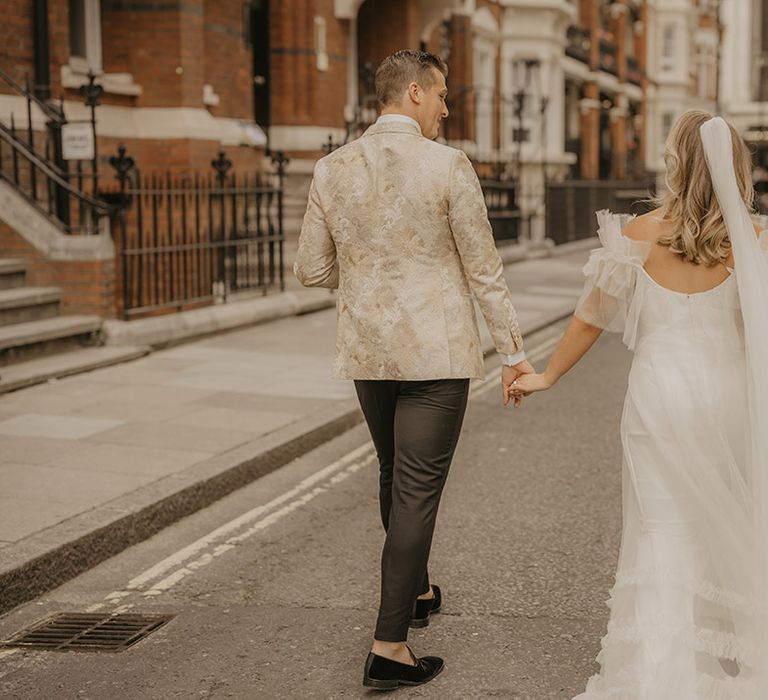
x: 682, y: 610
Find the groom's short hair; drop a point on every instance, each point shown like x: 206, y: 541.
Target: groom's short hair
x: 398, y: 70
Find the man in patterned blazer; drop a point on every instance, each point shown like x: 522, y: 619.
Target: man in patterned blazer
x: 397, y: 223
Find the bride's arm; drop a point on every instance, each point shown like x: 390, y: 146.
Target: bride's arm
x: 578, y: 338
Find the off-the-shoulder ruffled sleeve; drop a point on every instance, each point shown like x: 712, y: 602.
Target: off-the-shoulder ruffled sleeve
x: 611, y: 278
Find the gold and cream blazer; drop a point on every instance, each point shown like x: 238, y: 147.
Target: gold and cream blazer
x: 398, y: 224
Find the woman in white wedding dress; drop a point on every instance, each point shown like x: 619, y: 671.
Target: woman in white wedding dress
x: 686, y: 621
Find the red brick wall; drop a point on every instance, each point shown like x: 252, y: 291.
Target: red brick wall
x: 228, y: 59
x: 291, y: 68
x: 301, y: 93
x: 150, y: 48
x: 87, y: 286
x: 58, y: 41
x: 384, y: 26
x: 16, y: 48
x: 461, y: 104
x: 331, y: 93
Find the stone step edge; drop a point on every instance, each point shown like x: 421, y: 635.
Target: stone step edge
x: 47, y: 329
x: 38, y: 371
x: 10, y: 266
x: 20, y: 297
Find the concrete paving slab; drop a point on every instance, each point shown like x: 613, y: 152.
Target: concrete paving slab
x: 43, y: 400
x: 260, y: 422
x: 23, y: 516
x: 146, y: 462
x: 54, y: 426
x: 39, y: 450
x: 240, y: 401
x: 168, y: 394
x: 164, y: 435
x: 134, y: 410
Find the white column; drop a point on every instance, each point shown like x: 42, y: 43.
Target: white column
x: 553, y: 78
x: 352, y: 96
x: 736, y: 53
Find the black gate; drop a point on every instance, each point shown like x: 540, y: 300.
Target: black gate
x: 503, y: 212
x: 183, y: 242
x: 571, y: 205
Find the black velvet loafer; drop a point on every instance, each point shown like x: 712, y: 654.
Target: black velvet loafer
x: 422, y: 609
x: 384, y: 674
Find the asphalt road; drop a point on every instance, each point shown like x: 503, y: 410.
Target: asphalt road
x: 280, y: 603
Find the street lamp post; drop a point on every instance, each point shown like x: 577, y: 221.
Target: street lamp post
x: 92, y: 93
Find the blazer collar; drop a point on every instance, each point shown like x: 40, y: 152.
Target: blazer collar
x: 392, y: 127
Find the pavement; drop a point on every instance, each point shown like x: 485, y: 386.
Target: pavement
x: 93, y: 463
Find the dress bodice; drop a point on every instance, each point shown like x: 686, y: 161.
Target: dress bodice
x: 706, y: 322
x: 619, y: 295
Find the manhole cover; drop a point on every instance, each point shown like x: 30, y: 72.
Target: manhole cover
x: 87, y: 631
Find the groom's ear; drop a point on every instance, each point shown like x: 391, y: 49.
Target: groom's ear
x: 415, y: 92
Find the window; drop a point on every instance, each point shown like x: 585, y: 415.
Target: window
x: 666, y: 125
x: 668, y: 47
x: 85, y: 35
x: 701, y: 65
x: 484, y: 90
x: 77, y: 29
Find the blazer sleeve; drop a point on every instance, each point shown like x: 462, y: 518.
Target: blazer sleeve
x: 316, y: 263
x: 468, y: 219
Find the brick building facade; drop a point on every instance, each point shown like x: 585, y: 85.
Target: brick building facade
x: 177, y: 77
x: 539, y: 92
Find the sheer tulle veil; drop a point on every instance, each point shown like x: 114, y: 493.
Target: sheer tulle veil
x: 752, y: 280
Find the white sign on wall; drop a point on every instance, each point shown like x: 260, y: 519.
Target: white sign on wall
x: 77, y: 141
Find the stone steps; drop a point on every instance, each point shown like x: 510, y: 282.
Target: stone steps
x: 31, y: 327
x: 12, y: 272
x: 23, y: 304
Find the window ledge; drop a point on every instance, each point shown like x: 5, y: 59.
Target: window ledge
x: 76, y: 75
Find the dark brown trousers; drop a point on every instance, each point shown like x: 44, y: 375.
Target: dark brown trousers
x: 415, y: 428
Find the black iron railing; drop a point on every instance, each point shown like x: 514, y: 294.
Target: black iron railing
x: 634, y: 73
x: 47, y: 188
x: 184, y: 242
x: 571, y: 205
x: 608, y: 57
x: 32, y: 162
x: 578, y: 43
x: 503, y: 211
x: 54, y: 114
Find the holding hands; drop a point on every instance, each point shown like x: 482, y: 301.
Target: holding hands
x: 521, y: 380
x: 527, y: 384
x: 511, y: 375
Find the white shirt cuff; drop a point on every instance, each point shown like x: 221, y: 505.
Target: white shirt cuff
x: 513, y: 359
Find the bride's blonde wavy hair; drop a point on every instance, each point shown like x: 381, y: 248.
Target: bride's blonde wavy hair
x: 689, y: 204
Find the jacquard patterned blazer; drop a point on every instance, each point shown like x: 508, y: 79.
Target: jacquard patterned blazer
x: 398, y: 224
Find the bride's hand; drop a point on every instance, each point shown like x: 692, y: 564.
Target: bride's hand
x: 527, y: 384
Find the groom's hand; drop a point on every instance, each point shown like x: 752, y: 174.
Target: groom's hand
x: 509, y: 373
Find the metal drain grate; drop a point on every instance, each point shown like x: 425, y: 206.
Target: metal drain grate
x: 87, y: 631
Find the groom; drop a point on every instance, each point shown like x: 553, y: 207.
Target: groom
x: 398, y: 223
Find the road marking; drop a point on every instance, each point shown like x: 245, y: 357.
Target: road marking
x: 198, y: 554
x: 170, y: 581
x: 190, y: 550
x: 334, y: 473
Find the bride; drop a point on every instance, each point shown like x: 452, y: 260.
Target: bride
x: 687, y: 285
